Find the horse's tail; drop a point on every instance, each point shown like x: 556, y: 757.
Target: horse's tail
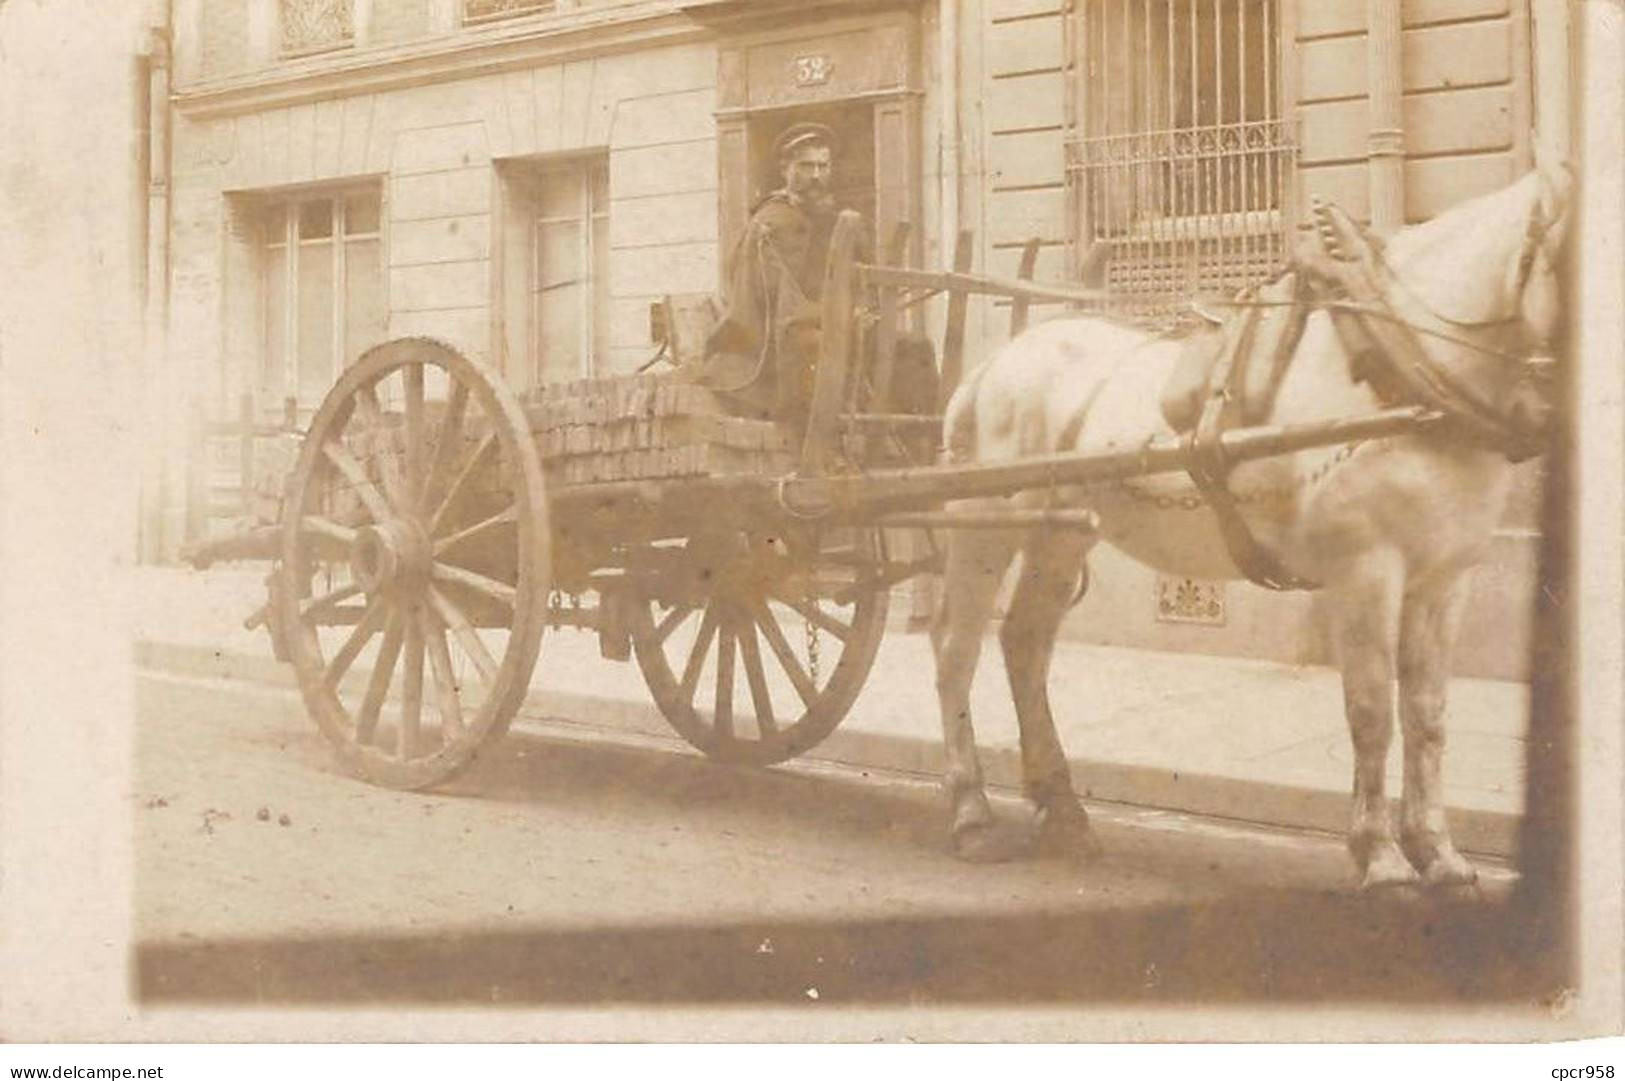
x: 959, y: 419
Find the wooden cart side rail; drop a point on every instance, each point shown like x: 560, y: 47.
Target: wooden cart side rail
x: 953, y: 332
x: 839, y: 306
x: 963, y: 283
x: 1019, y: 306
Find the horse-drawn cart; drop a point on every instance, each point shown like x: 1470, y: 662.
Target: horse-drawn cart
x: 435, y: 523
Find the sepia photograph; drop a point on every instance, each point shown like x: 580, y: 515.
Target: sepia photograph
x: 780, y: 521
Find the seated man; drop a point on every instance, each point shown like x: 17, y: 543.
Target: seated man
x: 763, y: 350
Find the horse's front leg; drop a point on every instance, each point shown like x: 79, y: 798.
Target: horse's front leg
x: 1050, y: 576
x: 1368, y: 604
x: 976, y: 562
x: 1428, y: 629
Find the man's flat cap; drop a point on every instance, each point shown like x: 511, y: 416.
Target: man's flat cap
x: 796, y: 136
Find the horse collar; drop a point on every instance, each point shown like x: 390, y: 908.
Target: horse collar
x: 1385, y: 349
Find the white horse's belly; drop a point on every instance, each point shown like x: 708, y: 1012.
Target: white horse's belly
x: 1172, y: 538
x: 1112, y: 377
x: 1179, y: 542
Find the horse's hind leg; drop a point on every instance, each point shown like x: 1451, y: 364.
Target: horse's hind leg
x: 1051, y: 566
x: 976, y: 562
x: 1368, y: 606
x: 1428, y: 629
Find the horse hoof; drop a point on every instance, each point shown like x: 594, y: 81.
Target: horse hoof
x: 1069, y: 836
x: 1449, y: 872
x: 984, y: 842
x: 1387, y: 870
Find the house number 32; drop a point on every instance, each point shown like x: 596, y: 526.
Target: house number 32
x: 812, y: 70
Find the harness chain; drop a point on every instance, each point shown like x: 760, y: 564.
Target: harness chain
x: 812, y: 647
x: 1210, y: 472
x: 1278, y: 494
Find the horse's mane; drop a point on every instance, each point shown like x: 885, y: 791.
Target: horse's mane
x: 1458, y: 262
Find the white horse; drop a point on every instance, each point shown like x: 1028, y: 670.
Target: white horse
x: 1470, y: 303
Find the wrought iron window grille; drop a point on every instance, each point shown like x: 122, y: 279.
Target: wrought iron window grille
x: 1181, y: 160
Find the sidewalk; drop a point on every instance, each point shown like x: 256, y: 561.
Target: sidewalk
x: 1243, y: 739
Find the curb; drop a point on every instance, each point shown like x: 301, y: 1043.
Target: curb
x: 1480, y: 832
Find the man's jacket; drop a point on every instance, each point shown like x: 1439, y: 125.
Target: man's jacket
x: 774, y: 280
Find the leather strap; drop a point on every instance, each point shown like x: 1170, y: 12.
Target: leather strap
x: 1210, y: 472
x: 1286, y: 347
x: 1385, y: 351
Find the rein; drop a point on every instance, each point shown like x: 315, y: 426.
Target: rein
x: 1371, y: 331
x: 1332, y: 304
x: 1435, y: 386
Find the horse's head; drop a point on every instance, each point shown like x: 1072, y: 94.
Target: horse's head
x: 1537, y: 278
x: 1539, y: 274
x: 1482, y: 285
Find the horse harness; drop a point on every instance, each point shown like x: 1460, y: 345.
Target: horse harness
x: 1344, y: 276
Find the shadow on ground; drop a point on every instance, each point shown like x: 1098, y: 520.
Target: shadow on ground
x: 1291, y: 947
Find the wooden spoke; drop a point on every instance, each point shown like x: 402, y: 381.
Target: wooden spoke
x: 406, y: 738
x: 670, y: 622
x: 751, y: 652
x: 413, y: 406
x: 817, y: 616
x: 446, y: 443
x: 327, y: 529
x: 465, y: 634
x: 366, y: 720
x: 742, y: 610
x: 487, y: 445
x: 445, y: 681
x: 353, y: 472
x: 370, y: 621
x: 327, y: 600
x: 489, y: 588
x: 396, y: 448
x: 509, y: 513
x: 781, y: 649
x: 723, y: 718
x: 696, y: 655
x: 382, y: 452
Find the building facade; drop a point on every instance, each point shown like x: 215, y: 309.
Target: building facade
x: 526, y: 178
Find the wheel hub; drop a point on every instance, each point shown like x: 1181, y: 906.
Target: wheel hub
x: 390, y: 553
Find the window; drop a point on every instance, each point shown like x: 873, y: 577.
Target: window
x: 1183, y: 154
x: 478, y: 11
x: 556, y: 268
x: 315, y: 26
x: 323, y: 290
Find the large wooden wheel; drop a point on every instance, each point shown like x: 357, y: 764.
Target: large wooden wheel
x: 755, y: 645
x: 411, y: 592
